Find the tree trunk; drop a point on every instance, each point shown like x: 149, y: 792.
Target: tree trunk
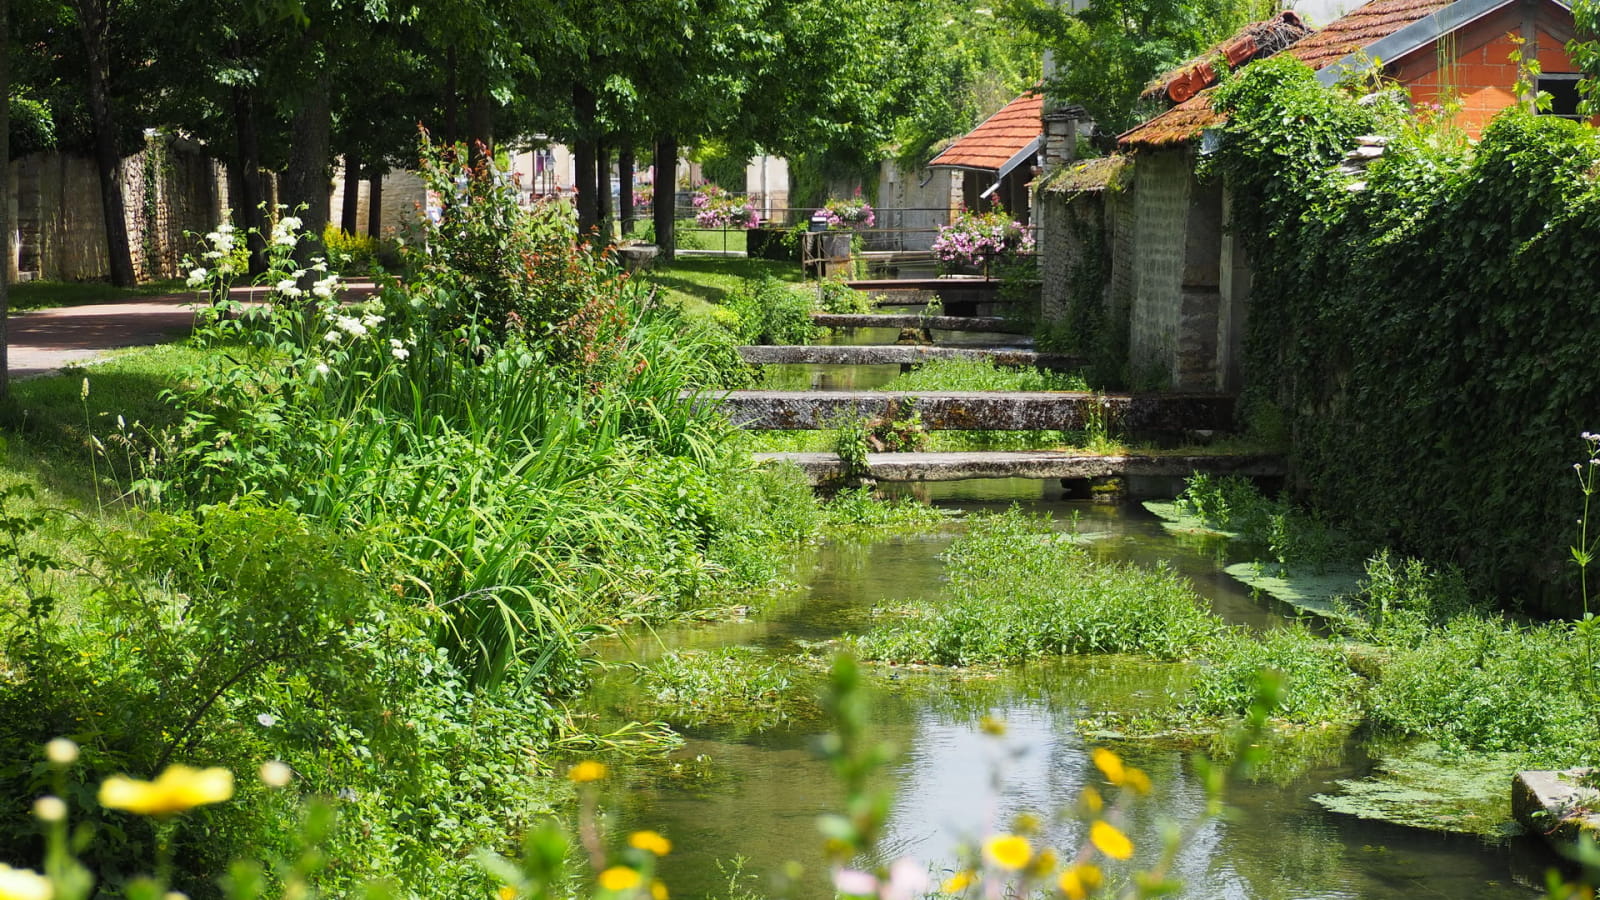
x: 451, y: 98
x: 602, y: 166
x: 625, y: 185
x: 307, y: 178
x: 375, y: 206
x: 93, y: 25
x: 666, y: 187
x: 251, y: 212
x: 5, y: 196
x: 480, y: 126
x: 350, y: 211
x: 584, y: 152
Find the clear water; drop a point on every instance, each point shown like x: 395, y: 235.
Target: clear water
x: 755, y: 796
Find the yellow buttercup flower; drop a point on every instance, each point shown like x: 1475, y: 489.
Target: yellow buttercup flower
x: 1044, y: 863
x: 178, y: 789
x: 1092, y: 801
x: 1111, y: 842
x: 1109, y: 764
x: 23, y: 884
x: 1080, y: 881
x: 651, y: 841
x: 958, y: 882
x: 620, y: 878
x: 506, y: 892
x: 1137, y: 780
x: 658, y: 890
x: 1008, y: 851
x: 587, y: 771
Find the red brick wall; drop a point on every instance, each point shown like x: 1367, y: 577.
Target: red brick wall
x: 1483, y: 76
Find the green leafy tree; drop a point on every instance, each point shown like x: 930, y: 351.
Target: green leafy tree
x: 1108, y: 51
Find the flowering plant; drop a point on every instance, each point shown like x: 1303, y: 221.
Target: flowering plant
x: 717, y: 208
x: 852, y: 213
x: 977, y: 239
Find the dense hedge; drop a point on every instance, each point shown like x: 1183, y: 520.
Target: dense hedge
x: 1430, y: 337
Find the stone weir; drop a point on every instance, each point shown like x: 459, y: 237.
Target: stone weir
x: 826, y: 468
x: 898, y: 354
x: 985, y: 324
x: 981, y: 411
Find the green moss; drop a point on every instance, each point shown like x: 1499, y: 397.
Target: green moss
x: 1426, y: 787
x: 1305, y: 590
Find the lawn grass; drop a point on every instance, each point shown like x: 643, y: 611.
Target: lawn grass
x: 696, y: 283
x: 51, y: 294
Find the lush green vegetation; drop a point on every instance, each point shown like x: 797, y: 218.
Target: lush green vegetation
x: 369, y: 542
x: 698, y: 283
x: 1417, y: 352
x: 1416, y: 654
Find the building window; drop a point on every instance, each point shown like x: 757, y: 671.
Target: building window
x: 1563, y: 90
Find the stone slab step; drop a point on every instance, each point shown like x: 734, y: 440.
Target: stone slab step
x: 1556, y: 805
x: 990, y: 324
x: 898, y: 354
x: 876, y: 285
x: 822, y: 468
x: 979, y: 410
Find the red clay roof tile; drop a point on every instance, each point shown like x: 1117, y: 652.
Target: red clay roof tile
x: 999, y: 138
x: 1359, y: 28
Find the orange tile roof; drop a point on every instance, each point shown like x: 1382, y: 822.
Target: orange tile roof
x: 999, y: 138
x: 1362, y: 27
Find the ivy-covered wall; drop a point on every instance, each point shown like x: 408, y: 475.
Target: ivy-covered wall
x: 1429, y: 328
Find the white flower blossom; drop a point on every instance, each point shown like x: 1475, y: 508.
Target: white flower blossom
x: 197, y: 277
x: 332, y: 337
x: 398, y: 348
x: 351, y: 326
x: 212, y: 254
x: 276, y: 774
x: 267, y: 720
x: 286, y: 232
x: 287, y: 288
x: 321, y: 265
x: 372, y: 320
x: 50, y: 809
x: 325, y: 287
x: 322, y: 367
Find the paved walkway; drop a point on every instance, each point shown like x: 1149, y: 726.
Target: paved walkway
x: 44, y: 340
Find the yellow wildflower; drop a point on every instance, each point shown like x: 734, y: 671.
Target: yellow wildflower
x: 1044, y: 863
x: 1109, y: 764
x: 176, y: 790
x: 619, y: 878
x: 651, y: 841
x: 1092, y: 801
x: 23, y: 884
x: 1111, y: 842
x: 506, y: 892
x: 1080, y: 881
x: 658, y: 890
x: 587, y: 771
x: 1138, y: 780
x: 1008, y: 851
x: 992, y: 726
x: 958, y: 882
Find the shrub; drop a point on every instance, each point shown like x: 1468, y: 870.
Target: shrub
x: 771, y: 312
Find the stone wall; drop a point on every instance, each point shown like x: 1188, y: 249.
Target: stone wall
x: 1161, y: 210
x: 400, y: 202
x: 915, y: 202
x: 169, y: 189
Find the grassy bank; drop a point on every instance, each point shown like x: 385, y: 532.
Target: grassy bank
x: 370, y: 543
x: 49, y: 294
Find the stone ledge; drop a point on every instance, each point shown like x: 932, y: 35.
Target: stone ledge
x: 897, y: 354
x: 822, y: 468
x: 982, y: 411
x: 989, y: 324
x: 1554, y: 806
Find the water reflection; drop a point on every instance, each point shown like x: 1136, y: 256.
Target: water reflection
x: 764, y: 792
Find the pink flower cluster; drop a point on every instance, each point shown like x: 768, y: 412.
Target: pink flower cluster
x: 855, y: 213
x: 977, y: 239
x: 719, y: 209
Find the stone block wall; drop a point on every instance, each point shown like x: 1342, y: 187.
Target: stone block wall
x: 1161, y: 211
x: 170, y: 189
x: 400, y: 202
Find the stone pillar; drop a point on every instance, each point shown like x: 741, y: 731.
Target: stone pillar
x: 1234, y: 285
x: 1061, y: 135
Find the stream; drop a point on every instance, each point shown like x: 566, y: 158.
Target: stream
x: 736, y: 793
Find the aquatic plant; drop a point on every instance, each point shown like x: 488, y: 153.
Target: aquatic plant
x: 1017, y: 591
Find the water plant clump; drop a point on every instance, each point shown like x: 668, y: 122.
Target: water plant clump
x: 983, y: 375
x: 768, y: 311
x: 1016, y: 593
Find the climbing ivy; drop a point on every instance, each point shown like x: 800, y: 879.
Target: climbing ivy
x: 1426, y: 327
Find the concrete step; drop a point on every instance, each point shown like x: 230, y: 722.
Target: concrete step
x: 898, y: 354
x: 822, y: 468
x: 987, y: 411
x: 990, y: 324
